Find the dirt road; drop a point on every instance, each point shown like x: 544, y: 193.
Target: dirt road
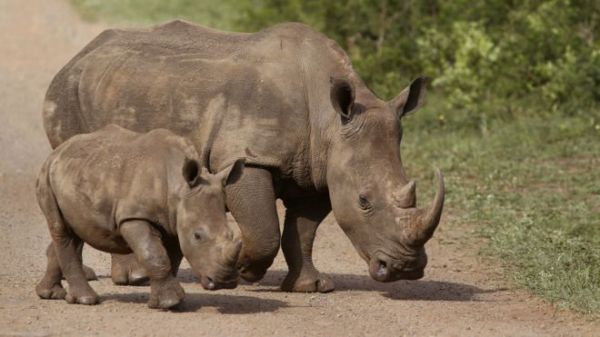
x: 461, y: 295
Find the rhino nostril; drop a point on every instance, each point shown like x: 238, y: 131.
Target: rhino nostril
x: 382, y: 271
x: 211, y: 283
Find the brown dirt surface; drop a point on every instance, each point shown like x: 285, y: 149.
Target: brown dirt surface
x: 461, y: 295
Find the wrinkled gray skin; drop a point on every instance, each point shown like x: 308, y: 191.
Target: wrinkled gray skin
x: 123, y: 192
x: 318, y: 138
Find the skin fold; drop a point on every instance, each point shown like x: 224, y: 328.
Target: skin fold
x: 146, y: 194
x: 287, y: 99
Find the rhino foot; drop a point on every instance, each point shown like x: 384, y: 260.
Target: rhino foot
x: 126, y: 270
x: 52, y: 292
x: 308, y: 283
x: 166, y: 294
x: 81, y: 296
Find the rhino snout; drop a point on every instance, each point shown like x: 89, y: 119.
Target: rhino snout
x: 213, y: 283
x: 222, y: 273
x: 383, y: 268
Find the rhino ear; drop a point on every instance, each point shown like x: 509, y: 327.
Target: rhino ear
x: 192, y: 172
x: 342, y: 98
x: 410, y: 98
x: 231, y: 173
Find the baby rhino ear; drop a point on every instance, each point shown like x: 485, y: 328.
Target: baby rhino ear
x: 232, y: 173
x: 191, y: 172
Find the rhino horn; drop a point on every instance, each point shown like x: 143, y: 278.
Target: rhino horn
x: 406, y: 197
x: 429, y: 218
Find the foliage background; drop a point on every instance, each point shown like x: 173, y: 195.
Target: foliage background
x: 513, y: 119
x: 489, y: 59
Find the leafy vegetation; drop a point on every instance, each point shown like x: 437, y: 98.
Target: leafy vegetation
x: 533, y: 189
x: 514, y: 120
x: 490, y: 59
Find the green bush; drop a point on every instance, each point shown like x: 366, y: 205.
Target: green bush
x: 489, y: 60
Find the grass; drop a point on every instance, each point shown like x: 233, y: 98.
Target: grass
x: 531, y: 185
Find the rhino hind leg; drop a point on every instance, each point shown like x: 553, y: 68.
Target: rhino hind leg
x: 126, y: 270
x: 251, y: 201
x: 90, y: 274
x: 50, y: 286
x: 68, y: 252
x: 302, y: 218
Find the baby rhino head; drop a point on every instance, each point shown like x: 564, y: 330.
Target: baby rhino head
x: 206, y: 239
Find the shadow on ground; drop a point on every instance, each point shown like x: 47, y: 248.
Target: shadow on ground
x: 423, y: 290
x: 224, y: 303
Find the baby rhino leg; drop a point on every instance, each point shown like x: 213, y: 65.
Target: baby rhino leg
x: 68, y: 251
x: 50, y: 287
x: 126, y: 270
x: 147, y: 245
x: 90, y: 274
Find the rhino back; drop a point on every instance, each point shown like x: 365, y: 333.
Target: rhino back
x: 106, y: 177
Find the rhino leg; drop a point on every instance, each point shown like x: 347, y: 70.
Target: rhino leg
x: 251, y: 201
x: 90, y: 274
x: 148, y: 247
x: 67, y: 249
x: 302, y: 218
x: 126, y: 270
x: 68, y: 252
x: 175, y: 255
x: 50, y: 286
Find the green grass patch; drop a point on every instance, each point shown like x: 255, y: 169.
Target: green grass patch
x: 530, y: 185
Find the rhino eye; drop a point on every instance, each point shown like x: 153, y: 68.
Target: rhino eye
x: 363, y: 202
x: 198, y: 235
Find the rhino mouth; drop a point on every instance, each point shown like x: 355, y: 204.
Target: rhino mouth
x: 385, y: 269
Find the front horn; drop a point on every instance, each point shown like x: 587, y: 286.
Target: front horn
x: 429, y: 218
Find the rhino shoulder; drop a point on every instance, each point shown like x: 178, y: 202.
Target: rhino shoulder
x: 167, y: 139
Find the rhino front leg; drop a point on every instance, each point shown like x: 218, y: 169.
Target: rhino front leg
x: 302, y: 218
x: 148, y: 247
x: 251, y: 201
x: 126, y: 270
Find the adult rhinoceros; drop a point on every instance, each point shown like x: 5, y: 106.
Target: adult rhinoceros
x: 286, y: 98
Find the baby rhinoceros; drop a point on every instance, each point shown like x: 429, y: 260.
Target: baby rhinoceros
x: 122, y: 192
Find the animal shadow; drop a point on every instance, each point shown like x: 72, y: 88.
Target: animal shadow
x: 225, y: 303
x: 420, y: 290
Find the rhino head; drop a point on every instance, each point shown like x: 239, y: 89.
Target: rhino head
x: 372, y: 199
x: 205, y: 238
